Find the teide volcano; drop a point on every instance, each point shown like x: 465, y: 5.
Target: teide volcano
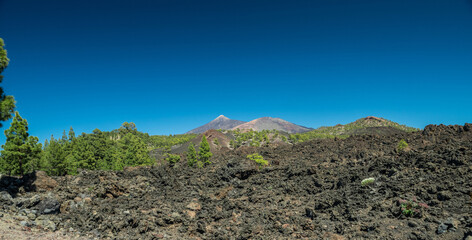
x: 220, y: 122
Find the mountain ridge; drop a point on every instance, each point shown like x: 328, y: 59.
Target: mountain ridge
x: 259, y: 124
x: 359, y: 126
x: 221, y: 122
x: 270, y: 123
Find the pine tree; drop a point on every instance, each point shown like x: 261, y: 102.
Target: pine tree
x: 71, y: 164
x: 204, y: 151
x: 54, y: 158
x: 83, y: 152
x: 191, y: 155
x: 36, y: 150
x: 127, y: 128
x: 118, y: 162
x: 99, y: 146
x: 71, y: 134
x: 20, y: 149
x: 7, y: 103
x: 64, y: 136
x: 133, y: 152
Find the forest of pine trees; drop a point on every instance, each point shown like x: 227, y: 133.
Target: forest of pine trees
x: 96, y: 151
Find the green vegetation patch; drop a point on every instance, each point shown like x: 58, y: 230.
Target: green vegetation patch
x: 258, y: 159
x: 173, y: 159
x: 367, y: 181
x: 255, y: 138
x: 344, y: 131
x: 402, y: 145
x: 412, y: 207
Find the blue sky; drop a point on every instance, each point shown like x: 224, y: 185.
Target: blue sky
x: 170, y: 66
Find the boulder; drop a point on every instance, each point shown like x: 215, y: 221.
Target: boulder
x: 40, y: 182
x: 5, y: 198
x: 449, y: 225
x: 28, y: 202
x: 49, y: 206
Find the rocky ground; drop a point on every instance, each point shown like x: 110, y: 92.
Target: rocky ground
x: 310, y: 190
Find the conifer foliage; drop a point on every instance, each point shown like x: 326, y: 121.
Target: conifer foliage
x: 191, y: 155
x: 7, y: 103
x: 133, y: 151
x: 21, y: 152
x: 96, y: 151
x: 204, y: 152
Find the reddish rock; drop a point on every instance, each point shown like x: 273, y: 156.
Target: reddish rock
x: 194, y: 206
x: 40, y: 182
x: 191, y: 214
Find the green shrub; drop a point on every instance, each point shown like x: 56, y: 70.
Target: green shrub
x: 200, y: 164
x: 258, y: 159
x: 367, y: 181
x: 255, y: 143
x: 402, y: 145
x: 173, y: 158
x: 412, y: 208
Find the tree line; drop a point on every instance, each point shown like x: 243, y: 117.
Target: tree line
x: 96, y: 151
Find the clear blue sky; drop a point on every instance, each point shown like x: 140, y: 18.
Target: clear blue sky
x: 170, y: 66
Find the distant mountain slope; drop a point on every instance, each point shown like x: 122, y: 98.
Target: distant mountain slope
x: 268, y: 123
x: 222, y: 139
x: 360, y: 126
x: 220, y: 122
